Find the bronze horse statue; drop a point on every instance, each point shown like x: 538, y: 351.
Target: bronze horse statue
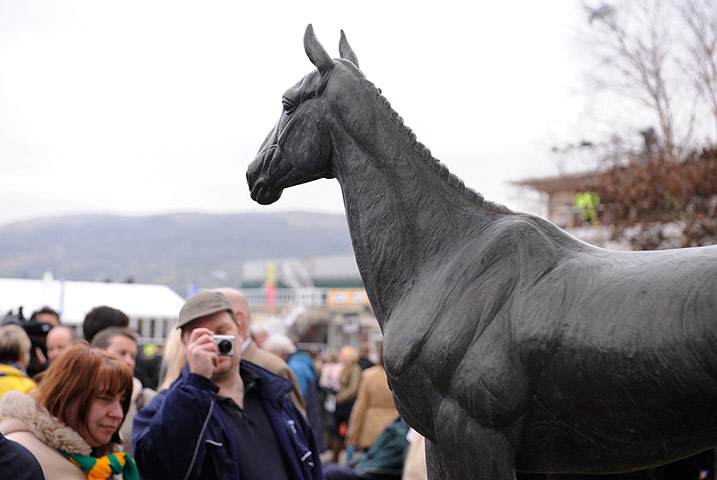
x: 509, y: 344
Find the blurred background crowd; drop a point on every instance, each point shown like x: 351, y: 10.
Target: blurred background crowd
x: 344, y: 393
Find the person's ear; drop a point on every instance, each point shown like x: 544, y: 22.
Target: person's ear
x: 241, y: 322
x: 241, y: 318
x: 24, y: 359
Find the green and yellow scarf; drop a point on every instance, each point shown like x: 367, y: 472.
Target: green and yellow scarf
x: 104, y: 467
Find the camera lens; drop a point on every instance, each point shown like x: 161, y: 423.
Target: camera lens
x: 225, y: 346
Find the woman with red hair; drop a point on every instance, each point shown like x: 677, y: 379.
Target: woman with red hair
x: 70, y: 423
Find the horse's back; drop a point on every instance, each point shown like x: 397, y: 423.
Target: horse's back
x: 630, y: 368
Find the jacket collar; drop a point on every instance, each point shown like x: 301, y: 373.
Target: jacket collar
x: 12, y: 369
x: 20, y: 412
x: 136, y: 389
x: 274, y: 388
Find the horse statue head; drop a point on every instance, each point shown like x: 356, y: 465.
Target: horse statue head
x: 299, y: 148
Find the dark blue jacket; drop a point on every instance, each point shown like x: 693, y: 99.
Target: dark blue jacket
x: 17, y: 462
x: 183, y: 433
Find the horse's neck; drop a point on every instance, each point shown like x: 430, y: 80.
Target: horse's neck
x: 402, y: 216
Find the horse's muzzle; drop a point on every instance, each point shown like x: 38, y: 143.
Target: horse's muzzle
x: 260, y: 188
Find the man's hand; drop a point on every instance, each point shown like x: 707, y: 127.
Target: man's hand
x: 41, y: 358
x: 202, y: 352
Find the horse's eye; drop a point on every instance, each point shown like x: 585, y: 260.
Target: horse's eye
x: 288, y: 105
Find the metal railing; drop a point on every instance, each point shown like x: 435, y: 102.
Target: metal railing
x: 286, y: 296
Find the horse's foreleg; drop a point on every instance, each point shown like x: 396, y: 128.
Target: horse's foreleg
x: 434, y: 463
x: 487, y: 462
x: 466, y: 450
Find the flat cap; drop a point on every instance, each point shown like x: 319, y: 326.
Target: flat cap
x: 202, y: 305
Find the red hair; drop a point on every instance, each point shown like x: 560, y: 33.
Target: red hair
x: 76, y: 377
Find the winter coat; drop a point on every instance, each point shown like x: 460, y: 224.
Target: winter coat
x: 330, y: 378
x: 17, y: 463
x: 258, y: 356
x: 302, y: 365
x: 12, y: 378
x: 185, y: 424
x: 374, y: 409
x: 140, y: 398
x: 33, y: 427
x: 349, y: 384
x: 414, y: 465
x: 385, y: 454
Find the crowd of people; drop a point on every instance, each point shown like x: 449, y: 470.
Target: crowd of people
x: 87, y: 403
x: 223, y: 399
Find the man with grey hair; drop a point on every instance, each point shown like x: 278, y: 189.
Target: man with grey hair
x: 251, y: 352
x: 300, y: 362
x: 259, y: 333
x: 280, y: 345
x: 302, y: 365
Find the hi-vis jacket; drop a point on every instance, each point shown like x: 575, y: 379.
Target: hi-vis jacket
x: 12, y: 378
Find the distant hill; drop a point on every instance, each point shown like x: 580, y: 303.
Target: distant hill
x: 171, y: 249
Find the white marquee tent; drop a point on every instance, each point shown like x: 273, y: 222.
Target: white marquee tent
x: 152, y: 309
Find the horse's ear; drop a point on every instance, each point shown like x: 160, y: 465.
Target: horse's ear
x: 316, y: 52
x: 346, y: 51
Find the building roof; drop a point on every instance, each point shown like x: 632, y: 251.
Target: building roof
x: 561, y: 182
x: 74, y: 299
x: 315, y: 271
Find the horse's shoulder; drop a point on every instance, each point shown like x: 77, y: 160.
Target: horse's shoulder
x: 520, y: 246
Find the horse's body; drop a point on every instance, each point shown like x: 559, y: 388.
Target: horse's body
x: 508, y: 343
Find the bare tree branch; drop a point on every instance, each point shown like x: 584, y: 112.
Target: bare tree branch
x: 700, y: 16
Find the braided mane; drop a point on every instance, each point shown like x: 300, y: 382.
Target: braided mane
x: 425, y: 154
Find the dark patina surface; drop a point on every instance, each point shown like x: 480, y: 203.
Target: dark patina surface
x: 509, y: 344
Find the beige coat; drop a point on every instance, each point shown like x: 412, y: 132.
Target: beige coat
x: 32, y: 426
x: 268, y: 361
x: 349, y: 384
x: 374, y: 409
x: 140, y: 398
x: 414, y: 466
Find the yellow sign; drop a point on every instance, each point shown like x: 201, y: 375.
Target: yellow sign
x: 346, y: 296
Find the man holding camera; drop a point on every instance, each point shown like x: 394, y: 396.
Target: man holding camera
x: 222, y: 418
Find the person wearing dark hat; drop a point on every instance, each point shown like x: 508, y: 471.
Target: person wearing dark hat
x: 252, y: 352
x: 223, y: 418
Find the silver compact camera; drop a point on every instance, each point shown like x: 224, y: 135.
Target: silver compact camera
x: 225, y: 344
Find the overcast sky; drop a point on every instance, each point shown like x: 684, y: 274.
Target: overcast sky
x: 141, y: 107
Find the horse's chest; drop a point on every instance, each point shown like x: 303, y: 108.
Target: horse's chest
x: 407, y: 332
x: 414, y: 395
x: 410, y: 346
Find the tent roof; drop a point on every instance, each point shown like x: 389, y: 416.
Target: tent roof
x: 74, y: 299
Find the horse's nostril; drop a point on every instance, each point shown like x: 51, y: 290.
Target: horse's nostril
x: 253, y: 173
x: 250, y: 178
